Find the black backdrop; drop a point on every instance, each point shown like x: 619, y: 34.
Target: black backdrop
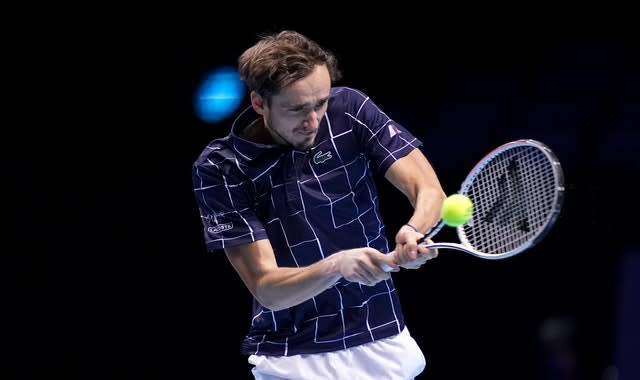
x: 109, y: 277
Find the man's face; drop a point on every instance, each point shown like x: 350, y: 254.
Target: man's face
x: 296, y: 111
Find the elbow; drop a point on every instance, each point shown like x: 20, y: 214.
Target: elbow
x: 270, y: 300
x: 271, y: 303
x: 276, y: 307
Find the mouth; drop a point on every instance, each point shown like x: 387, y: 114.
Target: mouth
x: 307, y: 132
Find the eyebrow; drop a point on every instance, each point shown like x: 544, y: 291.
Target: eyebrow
x: 303, y: 105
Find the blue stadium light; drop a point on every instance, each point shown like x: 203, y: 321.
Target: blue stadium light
x: 219, y: 95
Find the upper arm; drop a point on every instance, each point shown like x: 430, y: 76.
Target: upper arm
x: 413, y: 173
x: 252, y: 261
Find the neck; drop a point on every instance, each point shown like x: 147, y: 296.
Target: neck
x: 256, y: 132
x: 282, y: 138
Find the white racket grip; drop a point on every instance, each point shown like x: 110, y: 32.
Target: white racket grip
x: 386, y: 267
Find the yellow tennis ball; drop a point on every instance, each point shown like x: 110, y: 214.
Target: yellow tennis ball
x: 456, y: 210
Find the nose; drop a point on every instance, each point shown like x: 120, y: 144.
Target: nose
x: 312, y: 120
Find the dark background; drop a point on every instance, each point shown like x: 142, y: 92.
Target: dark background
x: 108, y: 276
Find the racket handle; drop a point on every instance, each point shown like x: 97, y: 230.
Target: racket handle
x: 432, y: 232
x: 384, y: 266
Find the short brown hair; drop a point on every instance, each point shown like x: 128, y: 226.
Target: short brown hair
x: 279, y: 59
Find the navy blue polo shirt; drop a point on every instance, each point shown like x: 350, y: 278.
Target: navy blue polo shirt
x: 309, y: 204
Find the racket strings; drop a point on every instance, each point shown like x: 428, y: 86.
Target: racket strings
x: 513, y: 195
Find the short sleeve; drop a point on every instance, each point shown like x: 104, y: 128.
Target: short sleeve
x: 226, y: 205
x: 384, y: 140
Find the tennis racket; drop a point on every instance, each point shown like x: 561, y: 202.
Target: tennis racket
x: 517, y: 191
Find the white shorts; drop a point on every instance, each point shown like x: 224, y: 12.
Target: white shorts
x: 394, y: 358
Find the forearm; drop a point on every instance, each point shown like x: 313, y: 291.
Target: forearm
x: 427, y: 204
x: 278, y: 287
x: 281, y: 287
x: 415, y: 177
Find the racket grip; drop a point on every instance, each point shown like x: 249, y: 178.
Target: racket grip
x: 386, y: 267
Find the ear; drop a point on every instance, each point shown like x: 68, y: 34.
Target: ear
x: 257, y: 102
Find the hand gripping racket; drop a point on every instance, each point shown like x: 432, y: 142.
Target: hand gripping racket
x: 517, y: 191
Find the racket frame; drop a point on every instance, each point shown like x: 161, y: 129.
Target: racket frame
x: 465, y: 245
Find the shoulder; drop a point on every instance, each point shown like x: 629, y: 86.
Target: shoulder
x: 347, y: 94
x: 354, y: 103
x: 347, y: 100
x: 215, y: 156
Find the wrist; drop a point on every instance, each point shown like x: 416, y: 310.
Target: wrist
x: 412, y: 227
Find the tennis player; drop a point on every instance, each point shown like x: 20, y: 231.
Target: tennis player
x: 290, y: 196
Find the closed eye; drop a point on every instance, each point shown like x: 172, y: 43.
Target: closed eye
x: 305, y: 108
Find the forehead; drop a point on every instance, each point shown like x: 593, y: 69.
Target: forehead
x: 307, y: 90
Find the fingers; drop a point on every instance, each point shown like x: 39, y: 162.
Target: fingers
x: 414, y: 259
x: 363, y: 265
x: 429, y: 253
x: 408, y: 238
x: 407, y: 248
x: 370, y: 279
x: 368, y: 276
x: 388, y: 263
